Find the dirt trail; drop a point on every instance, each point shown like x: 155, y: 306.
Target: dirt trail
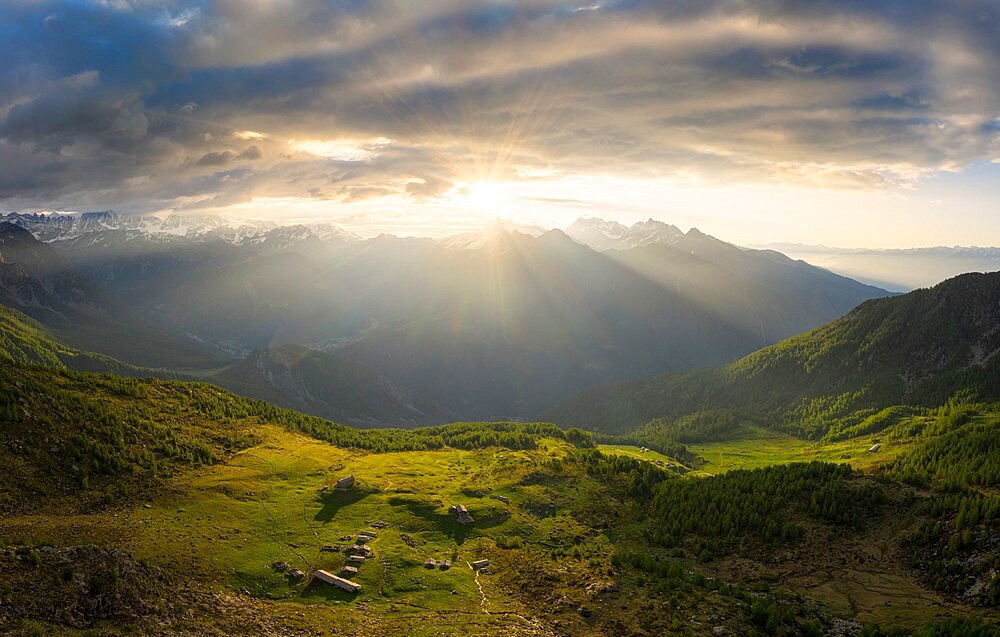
x: 482, y: 593
x: 534, y: 624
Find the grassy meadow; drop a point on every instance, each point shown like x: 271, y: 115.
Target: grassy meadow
x: 224, y: 526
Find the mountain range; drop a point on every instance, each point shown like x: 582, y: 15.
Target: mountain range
x: 164, y: 501
x: 497, y: 324
x: 604, y: 235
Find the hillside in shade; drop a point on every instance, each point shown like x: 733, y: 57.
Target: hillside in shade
x: 920, y: 348
x: 329, y: 386
x: 36, y: 280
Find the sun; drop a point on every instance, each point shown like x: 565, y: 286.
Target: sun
x: 487, y: 197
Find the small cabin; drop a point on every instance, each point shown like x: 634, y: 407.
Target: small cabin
x: 339, y: 582
x: 348, y: 570
x: 479, y: 565
x: 368, y: 534
x: 430, y: 562
x: 875, y: 447
x: 355, y: 559
x: 502, y: 498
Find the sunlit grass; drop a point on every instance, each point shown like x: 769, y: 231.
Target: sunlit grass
x: 757, y: 447
x: 636, y: 452
x: 225, y: 525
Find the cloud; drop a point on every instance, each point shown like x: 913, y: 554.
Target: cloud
x: 215, y: 159
x: 341, y: 149
x: 428, y: 187
x: 139, y: 105
x: 251, y: 153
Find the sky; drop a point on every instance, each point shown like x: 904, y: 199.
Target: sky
x: 854, y: 123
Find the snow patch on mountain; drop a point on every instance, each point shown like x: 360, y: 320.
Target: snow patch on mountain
x: 602, y: 235
x: 596, y: 233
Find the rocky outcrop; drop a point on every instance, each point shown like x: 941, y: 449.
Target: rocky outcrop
x: 79, y: 585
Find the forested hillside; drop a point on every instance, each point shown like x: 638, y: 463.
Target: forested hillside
x: 920, y: 349
x: 108, y: 428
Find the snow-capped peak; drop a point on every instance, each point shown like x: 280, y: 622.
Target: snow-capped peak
x: 92, y: 226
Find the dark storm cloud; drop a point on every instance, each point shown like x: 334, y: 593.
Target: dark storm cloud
x: 147, y: 105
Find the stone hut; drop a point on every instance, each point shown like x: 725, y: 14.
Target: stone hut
x: 339, y: 582
x: 461, y: 514
x: 358, y: 549
x: 345, y: 483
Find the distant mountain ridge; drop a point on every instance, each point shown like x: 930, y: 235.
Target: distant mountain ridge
x: 898, y: 269
x: 919, y: 348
